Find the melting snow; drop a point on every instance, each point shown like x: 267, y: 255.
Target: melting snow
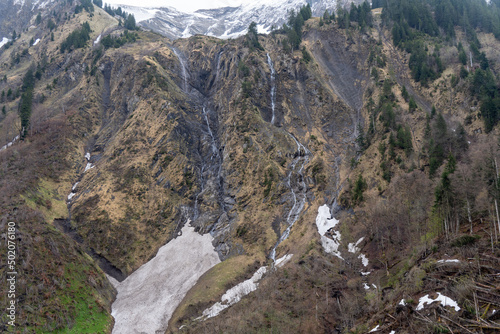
x: 36, y: 42
x: 325, y: 223
x: 97, y: 40
x: 449, y: 261
x: 89, y: 166
x: 74, y: 186
x: 148, y: 297
x: 366, y: 273
x: 70, y: 196
x: 234, y: 295
x: 364, y: 259
x: 445, y: 301
x: 87, y: 156
x: 4, y: 41
x: 9, y: 144
x: 402, y: 302
x: 375, y: 329
x: 366, y: 286
x: 392, y: 332
x: 283, y: 260
x: 353, y: 248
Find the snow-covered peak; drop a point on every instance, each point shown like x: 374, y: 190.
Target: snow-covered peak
x: 220, y: 18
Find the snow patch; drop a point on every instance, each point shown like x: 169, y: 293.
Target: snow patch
x: 4, y: 41
x: 74, y: 186
x: 392, y: 332
x: 353, y: 247
x: 325, y: 222
x: 70, y: 196
x: 402, y: 302
x: 9, y: 144
x: 449, y: 261
x: 366, y: 286
x: 283, y: 260
x: 89, y: 166
x: 36, y: 42
x: 97, y: 40
x: 364, y: 259
x: 234, y: 295
x: 445, y: 301
x: 148, y: 297
x: 375, y: 329
x: 87, y: 156
x: 366, y: 273
x: 113, y: 281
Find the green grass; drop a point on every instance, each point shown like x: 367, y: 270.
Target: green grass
x: 80, y: 303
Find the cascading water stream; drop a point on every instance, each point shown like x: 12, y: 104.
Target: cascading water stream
x: 273, y: 87
x: 218, y: 66
x: 183, y: 65
x: 299, y: 199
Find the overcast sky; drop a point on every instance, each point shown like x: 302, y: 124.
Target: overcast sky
x: 185, y: 6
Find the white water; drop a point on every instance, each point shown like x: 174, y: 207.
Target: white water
x: 299, y: 199
x: 273, y: 86
x: 214, y: 145
x: 183, y: 65
x: 73, y: 193
x: 148, y: 297
x: 218, y: 66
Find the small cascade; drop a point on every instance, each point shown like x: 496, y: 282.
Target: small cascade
x: 298, y: 195
x: 218, y: 66
x: 184, y: 70
x: 212, y: 166
x: 215, y: 151
x: 273, y: 87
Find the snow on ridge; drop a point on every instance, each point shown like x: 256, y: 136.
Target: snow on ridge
x: 445, y: 301
x: 141, y: 13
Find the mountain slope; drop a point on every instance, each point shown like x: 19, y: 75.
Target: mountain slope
x: 340, y: 186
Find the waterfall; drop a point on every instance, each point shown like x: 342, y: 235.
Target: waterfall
x: 299, y: 199
x: 273, y: 86
x: 183, y: 65
x: 214, y: 145
x: 218, y: 66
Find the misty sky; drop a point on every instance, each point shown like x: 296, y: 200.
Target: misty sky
x: 185, y: 6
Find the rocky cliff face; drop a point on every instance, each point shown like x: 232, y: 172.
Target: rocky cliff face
x: 127, y: 144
